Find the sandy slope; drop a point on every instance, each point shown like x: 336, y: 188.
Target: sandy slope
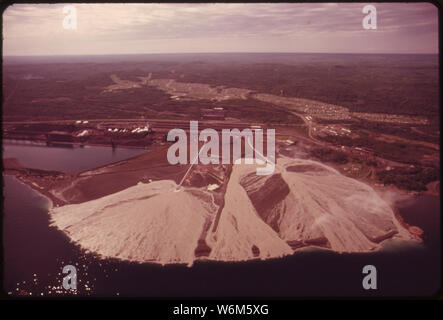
x: 349, y: 214
x: 240, y: 227
x: 146, y: 222
x: 303, y: 203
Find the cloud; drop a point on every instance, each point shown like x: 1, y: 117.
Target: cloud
x: 37, y: 28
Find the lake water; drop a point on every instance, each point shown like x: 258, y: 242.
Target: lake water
x: 34, y: 254
x: 69, y: 158
x: 424, y: 211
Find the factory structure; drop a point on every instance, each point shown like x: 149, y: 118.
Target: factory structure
x: 137, y: 133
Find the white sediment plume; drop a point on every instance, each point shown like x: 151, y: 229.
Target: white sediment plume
x: 157, y: 222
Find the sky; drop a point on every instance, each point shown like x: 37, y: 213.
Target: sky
x: 37, y: 29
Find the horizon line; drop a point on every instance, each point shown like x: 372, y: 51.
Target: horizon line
x: 227, y: 52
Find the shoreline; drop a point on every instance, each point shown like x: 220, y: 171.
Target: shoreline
x: 23, y: 175
x: 79, y: 144
x: 45, y: 195
x: 52, y: 204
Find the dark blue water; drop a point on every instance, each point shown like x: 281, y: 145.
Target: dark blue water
x: 34, y: 255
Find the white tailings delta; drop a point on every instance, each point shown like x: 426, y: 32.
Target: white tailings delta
x: 317, y: 207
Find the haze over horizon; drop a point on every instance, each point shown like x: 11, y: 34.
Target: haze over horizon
x: 115, y: 29
x: 212, y: 53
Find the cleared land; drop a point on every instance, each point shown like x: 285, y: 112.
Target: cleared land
x: 368, y: 121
